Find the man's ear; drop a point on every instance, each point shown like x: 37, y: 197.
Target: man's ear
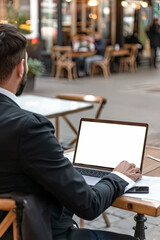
x: 20, y: 68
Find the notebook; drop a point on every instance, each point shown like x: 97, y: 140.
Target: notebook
x: 103, y: 144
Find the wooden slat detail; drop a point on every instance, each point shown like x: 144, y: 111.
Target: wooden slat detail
x: 7, y: 204
x: 15, y: 230
x: 7, y: 221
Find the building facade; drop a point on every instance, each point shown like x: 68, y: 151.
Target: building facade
x: 114, y: 19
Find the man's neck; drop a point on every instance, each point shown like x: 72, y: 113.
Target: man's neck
x: 9, y: 94
x: 9, y: 88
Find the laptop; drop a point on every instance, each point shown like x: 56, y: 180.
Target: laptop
x: 103, y: 144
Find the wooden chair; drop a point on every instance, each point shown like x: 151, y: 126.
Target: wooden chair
x: 54, y: 63
x: 105, y: 64
x: 8, y: 205
x: 101, y: 101
x: 130, y: 61
x: 62, y: 60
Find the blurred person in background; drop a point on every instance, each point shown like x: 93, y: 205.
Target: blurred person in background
x: 153, y: 33
x: 133, y: 39
x: 100, y: 45
x: 82, y: 43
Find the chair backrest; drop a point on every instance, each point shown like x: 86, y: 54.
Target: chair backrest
x: 8, y: 205
x: 129, y: 45
x: 108, y: 53
x: 134, y: 52
x: 61, y: 53
x: 85, y: 98
x: 133, y: 49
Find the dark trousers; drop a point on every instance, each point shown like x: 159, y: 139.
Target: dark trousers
x: 153, y: 57
x: 86, y: 234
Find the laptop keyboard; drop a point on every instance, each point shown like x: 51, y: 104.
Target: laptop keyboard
x: 91, y: 172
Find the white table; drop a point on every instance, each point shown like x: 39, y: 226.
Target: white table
x: 52, y: 107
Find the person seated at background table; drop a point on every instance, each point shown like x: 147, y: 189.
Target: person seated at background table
x: 100, y: 46
x: 32, y: 160
x: 133, y: 39
x: 82, y: 43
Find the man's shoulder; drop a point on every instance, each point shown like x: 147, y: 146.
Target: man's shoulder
x: 32, y: 117
x: 10, y: 108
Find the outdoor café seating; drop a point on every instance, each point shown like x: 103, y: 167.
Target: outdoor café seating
x: 105, y: 64
x: 129, y: 62
x: 61, y: 61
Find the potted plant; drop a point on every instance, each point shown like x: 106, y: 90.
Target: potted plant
x: 35, y: 68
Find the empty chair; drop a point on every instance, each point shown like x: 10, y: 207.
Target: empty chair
x: 62, y: 56
x: 101, y: 101
x: 104, y: 64
x: 130, y: 61
x: 85, y: 98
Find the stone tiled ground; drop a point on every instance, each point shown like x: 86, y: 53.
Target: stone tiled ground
x: 131, y: 97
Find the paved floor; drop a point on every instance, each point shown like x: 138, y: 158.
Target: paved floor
x: 131, y: 97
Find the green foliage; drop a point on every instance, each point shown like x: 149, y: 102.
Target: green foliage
x: 17, y: 19
x: 35, y: 67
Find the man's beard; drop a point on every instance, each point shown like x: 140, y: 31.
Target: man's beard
x: 22, y: 84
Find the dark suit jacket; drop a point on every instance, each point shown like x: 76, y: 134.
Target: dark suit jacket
x: 32, y: 161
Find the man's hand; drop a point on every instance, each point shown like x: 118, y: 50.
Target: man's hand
x: 129, y: 169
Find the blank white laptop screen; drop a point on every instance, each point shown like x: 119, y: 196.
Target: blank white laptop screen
x: 106, y: 144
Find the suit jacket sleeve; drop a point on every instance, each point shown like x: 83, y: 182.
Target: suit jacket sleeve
x: 42, y: 159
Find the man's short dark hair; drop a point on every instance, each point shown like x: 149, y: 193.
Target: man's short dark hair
x: 12, y: 50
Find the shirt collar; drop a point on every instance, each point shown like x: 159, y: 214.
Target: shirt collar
x: 9, y: 95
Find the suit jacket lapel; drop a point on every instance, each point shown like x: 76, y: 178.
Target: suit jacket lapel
x: 4, y: 98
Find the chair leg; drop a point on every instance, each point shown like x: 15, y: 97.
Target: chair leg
x: 108, y: 69
x: 81, y: 223
x: 106, y: 219
x: 122, y: 66
x: 58, y: 72
x: 74, y: 72
x: 105, y: 72
x: 135, y: 66
x: 53, y: 70
x: 132, y: 66
x: 125, y: 66
x: 69, y: 73
x: 15, y: 230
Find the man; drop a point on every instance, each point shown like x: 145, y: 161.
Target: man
x: 154, y: 36
x: 83, y: 43
x: 32, y: 161
x: 100, y: 51
x: 134, y: 39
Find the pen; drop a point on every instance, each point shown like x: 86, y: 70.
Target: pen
x: 151, y: 157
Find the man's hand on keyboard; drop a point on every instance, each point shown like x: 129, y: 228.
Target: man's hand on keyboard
x: 129, y: 169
